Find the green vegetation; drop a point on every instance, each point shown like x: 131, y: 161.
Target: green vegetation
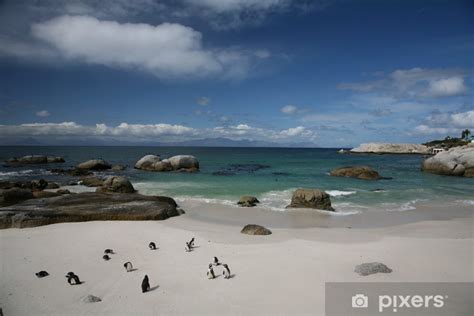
x: 449, y: 141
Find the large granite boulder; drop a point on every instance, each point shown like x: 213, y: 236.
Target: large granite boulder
x: 87, y: 206
x: 387, y: 148
x: 177, y: 163
x: 116, y: 184
x: 91, y: 182
x: 33, y: 185
x: 458, y: 161
x: 94, y: 164
x: 35, y: 159
x: 358, y: 172
x: 369, y: 268
x: 253, y: 229
x: 248, y: 201
x: 118, y: 167
x: 311, y: 198
x: 14, y: 196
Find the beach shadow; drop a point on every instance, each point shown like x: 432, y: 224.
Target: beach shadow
x: 154, y: 288
x: 231, y: 276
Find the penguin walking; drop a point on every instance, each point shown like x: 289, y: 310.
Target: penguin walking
x: 106, y: 257
x: 152, y: 246
x: 216, y: 262
x: 210, y: 272
x: 226, y: 272
x: 145, y: 284
x: 188, y: 247
x: 109, y: 251
x: 41, y: 274
x: 128, y: 266
x: 72, y: 278
x: 191, y: 242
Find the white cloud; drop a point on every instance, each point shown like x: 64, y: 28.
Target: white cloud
x: 289, y: 109
x: 239, y: 5
x: 444, y: 123
x: 43, y: 113
x: 203, y: 101
x: 447, y: 87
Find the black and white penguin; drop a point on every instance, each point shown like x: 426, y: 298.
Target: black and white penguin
x: 128, y: 266
x: 215, y: 261
x: 188, y: 247
x: 226, y: 272
x: 109, y: 251
x: 72, y: 278
x: 106, y: 257
x: 191, y: 242
x: 42, y: 274
x: 210, y: 272
x: 152, y: 246
x: 145, y: 284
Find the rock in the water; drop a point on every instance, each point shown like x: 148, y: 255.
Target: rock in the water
x: 94, y: 164
x: 35, y: 159
x: 359, y: 172
x: 91, y: 299
x: 118, y: 167
x: 458, y: 161
x: 178, y: 163
x: 248, y: 201
x: 14, y: 196
x: 384, y: 148
x: 87, y: 206
x: 311, y: 198
x: 253, y: 229
x: 116, y: 184
x: 372, y: 268
x: 92, y: 182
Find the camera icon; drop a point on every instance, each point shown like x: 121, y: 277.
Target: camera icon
x: 360, y: 301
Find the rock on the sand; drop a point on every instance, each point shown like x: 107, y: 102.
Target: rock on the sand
x: 91, y: 299
x: 311, y: 198
x: 457, y: 161
x: 387, y: 148
x: 253, y: 229
x: 177, y: 163
x: 369, y: 268
x: 92, y: 181
x: 88, y: 206
x: 358, y: 172
x: 116, y: 184
x: 248, y: 201
x: 94, y: 164
x: 14, y: 195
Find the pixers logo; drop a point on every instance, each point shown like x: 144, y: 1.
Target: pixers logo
x: 396, y: 302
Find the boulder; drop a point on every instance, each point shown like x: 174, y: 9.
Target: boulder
x: 52, y: 159
x: 33, y: 185
x: 147, y: 162
x: 177, y: 163
x: 52, y: 185
x: 91, y: 299
x: 14, y: 196
x: 87, y: 206
x: 92, y: 182
x: 387, y: 148
x: 369, y: 268
x: 248, y: 201
x: 94, y: 164
x: 358, y: 172
x: 311, y: 198
x: 184, y: 162
x: 45, y: 194
x: 63, y: 191
x: 253, y: 229
x: 116, y: 184
x: 118, y: 167
x: 457, y: 161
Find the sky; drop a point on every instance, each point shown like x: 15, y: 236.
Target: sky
x: 323, y: 73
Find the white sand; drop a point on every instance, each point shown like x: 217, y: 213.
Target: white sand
x: 283, y: 273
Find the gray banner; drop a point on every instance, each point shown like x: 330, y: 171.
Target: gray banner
x: 401, y: 299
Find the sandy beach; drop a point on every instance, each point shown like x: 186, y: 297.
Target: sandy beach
x: 280, y: 274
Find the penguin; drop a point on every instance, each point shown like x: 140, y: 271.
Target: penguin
x: 145, y: 284
x: 128, y: 266
x: 72, y: 278
x: 216, y: 262
x: 226, y: 272
x: 188, y: 247
x: 109, y: 251
x: 152, y: 246
x: 41, y: 274
x: 210, y: 272
x: 106, y: 257
x: 191, y: 243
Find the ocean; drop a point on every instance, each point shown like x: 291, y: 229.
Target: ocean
x: 270, y: 174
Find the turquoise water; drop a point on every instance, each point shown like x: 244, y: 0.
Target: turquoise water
x: 288, y: 168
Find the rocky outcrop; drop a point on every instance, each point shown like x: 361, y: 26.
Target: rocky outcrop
x: 14, y: 196
x: 358, y: 172
x: 248, y: 201
x: 33, y: 185
x: 45, y: 194
x: 91, y: 182
x: 117, y: 185
x: 457, y: 161
x: 118, y: 168
x: 94, y: 164
x: 386, y: 148
x: 87, y: 206
x: 311, y: 198
x: 369, y: 268
x: 35, y: 159
x: 253, y: 229
x: 175, y: 163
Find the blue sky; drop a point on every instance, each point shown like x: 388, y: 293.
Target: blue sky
x: 316, y: 73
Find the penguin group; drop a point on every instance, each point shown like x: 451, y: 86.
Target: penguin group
x: 215, y: 262
x: 107, y: 252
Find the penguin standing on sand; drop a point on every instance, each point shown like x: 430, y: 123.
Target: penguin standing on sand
x: 152, y: 246
x: 109, y: 251
x: 226, y: 272
x: 188, y: 247
x: 72, y: 278
x: 191, y: 242
x: 216, y: 262
x: 128, y: 266
x: 42, y: 274
x: 210, y: 272
x: 106, y: 257
x: 145, y: 284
